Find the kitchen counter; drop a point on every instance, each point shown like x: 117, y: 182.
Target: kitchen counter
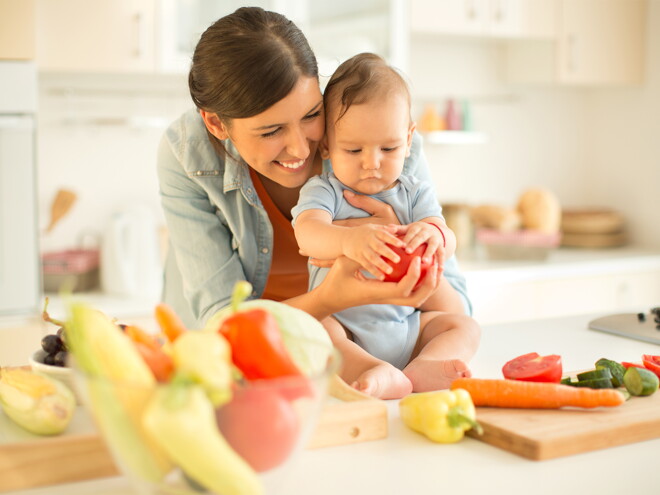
x: 406, y: 462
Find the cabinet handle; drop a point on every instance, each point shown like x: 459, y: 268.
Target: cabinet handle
x: 140, y: 38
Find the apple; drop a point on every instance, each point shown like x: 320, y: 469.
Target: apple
x: 401, y: 268
x: 260, y: 425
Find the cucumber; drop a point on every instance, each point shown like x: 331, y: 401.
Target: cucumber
x: 617, y: 370
x: 640, y: 381
x: 597, y: 374
x: 567, y: 381
x: 595, y: 383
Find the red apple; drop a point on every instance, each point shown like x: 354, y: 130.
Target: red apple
x: 401, y: 268
x: 260, y: 425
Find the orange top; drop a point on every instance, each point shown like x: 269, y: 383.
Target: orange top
x: 288, y: 275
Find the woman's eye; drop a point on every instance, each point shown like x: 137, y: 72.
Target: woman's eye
x: 271, y: 133
x: 312, y: 116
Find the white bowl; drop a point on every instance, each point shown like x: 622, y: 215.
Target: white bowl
x: 62, y: 373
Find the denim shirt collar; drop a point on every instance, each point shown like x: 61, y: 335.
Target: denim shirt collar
x: 237, y: 175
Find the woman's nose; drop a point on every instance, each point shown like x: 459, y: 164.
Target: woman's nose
x: 297, y: 144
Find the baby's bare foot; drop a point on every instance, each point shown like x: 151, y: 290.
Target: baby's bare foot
x: 384, y: 381
x: 431, y: 374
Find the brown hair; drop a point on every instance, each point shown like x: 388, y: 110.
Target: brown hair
x: 246, y: 62
x: 359, y: 80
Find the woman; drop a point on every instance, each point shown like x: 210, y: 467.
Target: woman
x: 231, y: 170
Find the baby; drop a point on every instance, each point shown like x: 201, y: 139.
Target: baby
x: 388, y: 351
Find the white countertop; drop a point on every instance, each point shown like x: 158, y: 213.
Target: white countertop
x: 408, y: 463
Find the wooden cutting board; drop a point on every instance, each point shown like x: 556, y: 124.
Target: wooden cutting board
x: 540, y: 434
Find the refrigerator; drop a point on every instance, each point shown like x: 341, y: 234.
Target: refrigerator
x: 20, y: 274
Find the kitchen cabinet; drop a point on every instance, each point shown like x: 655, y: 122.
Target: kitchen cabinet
x: 17, y: 30
x: 99, y: 36
x: 599, y: 42
x: 484, y: 18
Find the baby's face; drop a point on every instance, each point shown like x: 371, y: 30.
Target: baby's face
x: 369, y: 144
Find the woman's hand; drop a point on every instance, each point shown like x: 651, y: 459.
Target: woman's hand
x: 380, y: 212
x: 345, y: 287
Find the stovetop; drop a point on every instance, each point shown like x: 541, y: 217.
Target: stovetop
x: 638, y: 326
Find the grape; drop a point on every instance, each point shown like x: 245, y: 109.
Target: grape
x: 51, y: 344
x: 62, y: 335
x: 59, y: 359
x: 49, y: 359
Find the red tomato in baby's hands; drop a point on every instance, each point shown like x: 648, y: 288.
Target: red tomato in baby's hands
x: 401, y: 268
x: 534, y: 368
x: 260, y: 425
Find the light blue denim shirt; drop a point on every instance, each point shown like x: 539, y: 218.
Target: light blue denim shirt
x: 219, y: 231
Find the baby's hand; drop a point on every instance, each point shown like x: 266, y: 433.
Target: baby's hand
x: 368, y: 245
x: 418, y: 233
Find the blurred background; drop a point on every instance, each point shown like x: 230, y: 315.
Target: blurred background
x: 556, y: 96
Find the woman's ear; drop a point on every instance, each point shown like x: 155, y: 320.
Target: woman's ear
x: 411, y: 131
x: 214, y: 124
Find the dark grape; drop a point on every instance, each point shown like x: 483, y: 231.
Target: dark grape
x: 59, y: 359
x: 62, y: 335
x: 51, y: 344
x: 49, y: 359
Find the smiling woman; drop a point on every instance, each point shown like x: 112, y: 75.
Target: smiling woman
x: 231, y: 170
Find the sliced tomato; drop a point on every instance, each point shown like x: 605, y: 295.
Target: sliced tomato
x: 627, y: 365
x: 652, y: 363
x: 534, y: 368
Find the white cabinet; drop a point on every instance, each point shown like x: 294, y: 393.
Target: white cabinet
x: 17, y: 30
x: 489, y: 18
x: 599, y: 42
x: 98, y: 36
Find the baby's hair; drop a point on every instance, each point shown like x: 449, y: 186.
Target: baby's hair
x: 361, y: 79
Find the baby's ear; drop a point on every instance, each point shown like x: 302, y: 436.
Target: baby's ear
x: 411, y: 131
x: 323, y: 147
x: 214, y: 124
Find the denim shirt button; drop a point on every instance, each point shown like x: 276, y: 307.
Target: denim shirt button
x: 264, y: 250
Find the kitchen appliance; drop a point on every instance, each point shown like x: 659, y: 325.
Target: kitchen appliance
x: 19, y: 257
x: 638, y: 326
x: 130, y: 255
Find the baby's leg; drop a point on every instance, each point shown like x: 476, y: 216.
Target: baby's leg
x: 445, y: 345
x: 363, y: 371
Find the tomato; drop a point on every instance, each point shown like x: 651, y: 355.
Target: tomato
x: 534, y: 368
x: 401, y: 268
x: 652, y: 363
x: 260, y: 425
x: 627, y: 365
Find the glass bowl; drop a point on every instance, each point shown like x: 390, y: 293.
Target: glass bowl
x: 169, y: 439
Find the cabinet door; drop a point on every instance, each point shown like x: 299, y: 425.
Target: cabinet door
x: 601, y: 41
x: 460, y: 17
x: 98, y: 36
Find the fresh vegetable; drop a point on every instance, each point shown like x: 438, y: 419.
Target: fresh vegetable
x: 306, y: 341
x: 640, y: 381
x: 205, y: 358
x: 652, y: 363
x: 521, y: 394
x: 150, y: 349
x: 616, y: 370
x: 36, y: 402
x: 401, y: 268
x: 260, y: 425
x: 258, y: 349
x: 181, y: 420
x: 534, y: 368
x: 169, y: 322
x: 443, y: 416
x: 119, y: 385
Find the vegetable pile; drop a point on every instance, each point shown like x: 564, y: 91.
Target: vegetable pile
x: 220, y: 404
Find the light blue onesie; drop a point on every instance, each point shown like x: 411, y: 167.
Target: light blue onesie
x: 386, y: 331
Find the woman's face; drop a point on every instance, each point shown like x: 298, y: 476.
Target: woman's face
x: 281, y: 142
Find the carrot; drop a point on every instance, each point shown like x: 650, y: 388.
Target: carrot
x: 537, y: 395
x: 169, y: 322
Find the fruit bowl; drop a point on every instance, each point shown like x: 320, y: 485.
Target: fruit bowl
x: 172, y: 439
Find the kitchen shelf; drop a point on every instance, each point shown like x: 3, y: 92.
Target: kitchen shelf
x: 455, y: 137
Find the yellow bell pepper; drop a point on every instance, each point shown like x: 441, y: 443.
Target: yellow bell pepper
x: 443, y: 416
